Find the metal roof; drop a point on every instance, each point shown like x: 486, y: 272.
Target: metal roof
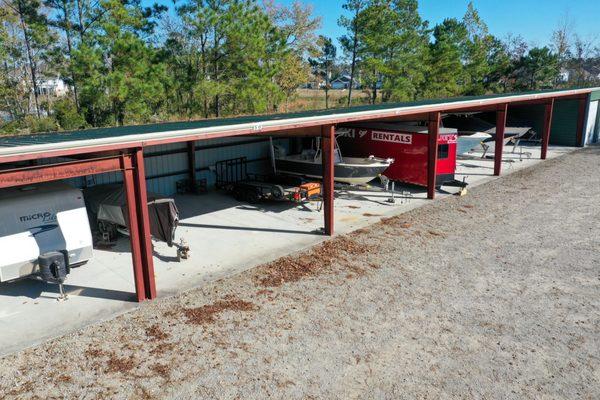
x: 100, y: 139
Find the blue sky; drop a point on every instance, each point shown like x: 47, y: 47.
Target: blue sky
x: 533, y: 19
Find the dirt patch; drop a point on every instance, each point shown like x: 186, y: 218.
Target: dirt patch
x: 360, y: 231
x: 335, y: 248
x: 318, y: 260
x: 264, y: 292
x: 161, y: 370
x: 161, y: 349
x: 395, y: 221
x: 92, y: 352
x: 120, y: 364
x: 64, y: 379
x: 207, y: 314
x: 436, y: 233
x: 21, y: 389
x: 155, y: 332
x: 371, y: 215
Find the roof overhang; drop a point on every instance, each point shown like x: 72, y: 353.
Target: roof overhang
x: 271, y: 126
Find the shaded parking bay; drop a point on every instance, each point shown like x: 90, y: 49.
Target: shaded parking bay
x: 494, y: 295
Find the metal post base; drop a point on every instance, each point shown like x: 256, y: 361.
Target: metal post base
x: 62, y: 296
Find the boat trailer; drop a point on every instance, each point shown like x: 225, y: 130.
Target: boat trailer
x: 232, y: 176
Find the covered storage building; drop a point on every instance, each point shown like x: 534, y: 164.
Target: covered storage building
x: 156, y: 156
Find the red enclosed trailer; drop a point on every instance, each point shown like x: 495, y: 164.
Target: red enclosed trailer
x: 406, y: 144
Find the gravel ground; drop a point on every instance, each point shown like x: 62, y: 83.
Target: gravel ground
x: 492, y: 295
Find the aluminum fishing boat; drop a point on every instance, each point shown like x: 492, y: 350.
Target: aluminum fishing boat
x: 350, y: 170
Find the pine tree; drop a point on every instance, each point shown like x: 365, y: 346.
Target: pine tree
x: 323, y: 64
x: 446, y: 75
x: 537, y: 69
x: 405, y: 54
x: 351, y: 41
x: 63, y: 20
x: 477, y: 52
x: 120, y: 77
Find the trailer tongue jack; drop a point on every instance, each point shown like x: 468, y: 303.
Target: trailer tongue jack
x: 54, y: 269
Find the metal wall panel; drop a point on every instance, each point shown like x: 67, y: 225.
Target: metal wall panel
x: 205, y: 160
x: 564, y: 123
x: 175, y: 162
x: 564, y: 120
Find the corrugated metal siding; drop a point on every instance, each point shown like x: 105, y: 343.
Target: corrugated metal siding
x: 176, y: 163
x: 165, y: 165
x: 564, y: 123
x: 564, y: 120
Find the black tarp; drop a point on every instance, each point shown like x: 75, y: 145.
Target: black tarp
x: 108, y: 203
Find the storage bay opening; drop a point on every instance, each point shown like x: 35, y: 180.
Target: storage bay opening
x: 159, y: 157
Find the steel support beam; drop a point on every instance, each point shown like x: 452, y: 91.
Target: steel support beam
x: 327, y: 159
x: 499, y: 145
x: 433, y: 127
x: 134, y: 234
x: 581, y: 114
x: 145, y: 242
x: 548, y: 110
x: 52, y: 172
x: 191, y: 152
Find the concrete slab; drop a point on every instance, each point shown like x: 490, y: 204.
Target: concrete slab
x: 226, y: 237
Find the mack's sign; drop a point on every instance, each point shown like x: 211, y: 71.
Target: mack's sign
x: 450, y: 138
x: 391, y: 137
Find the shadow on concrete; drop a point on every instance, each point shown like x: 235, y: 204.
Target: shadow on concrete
x: 194, y: 205
x: 250, y: 228
x: 35, y: 288
x: 472, y: 174
x: 163, y: 258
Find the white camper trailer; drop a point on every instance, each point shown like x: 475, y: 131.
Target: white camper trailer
x: 41, y: 225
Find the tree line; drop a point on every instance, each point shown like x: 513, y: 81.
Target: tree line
x: 126, y: 63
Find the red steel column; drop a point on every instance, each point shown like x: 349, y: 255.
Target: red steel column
x: 327, y: 158
x: 433, y: 126
x: 499, y: 146
x: 581, y: 120
x: 144, y: 224
x: 549, y: 108
x: 134, y: 235
x: 192, y: 165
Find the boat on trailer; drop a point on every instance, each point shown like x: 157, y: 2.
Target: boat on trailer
x: 470, y: 141
x: 308, y: 163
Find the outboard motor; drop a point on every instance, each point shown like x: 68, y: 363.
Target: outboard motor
x: 54, y: 268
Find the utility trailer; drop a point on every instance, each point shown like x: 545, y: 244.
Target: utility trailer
x: 44, y: 230
x: 275, y: 187
x: 233, y: 176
